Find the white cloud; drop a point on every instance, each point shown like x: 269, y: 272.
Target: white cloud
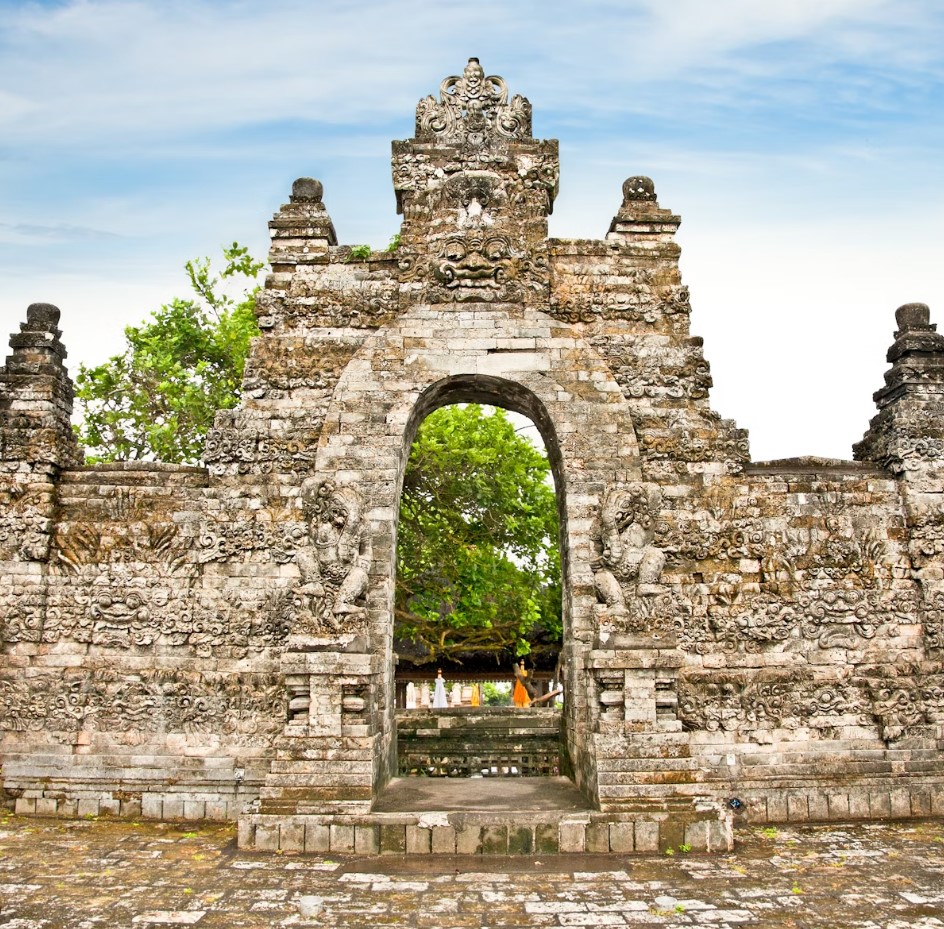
x: 110, y: 72
x: 799, y: 140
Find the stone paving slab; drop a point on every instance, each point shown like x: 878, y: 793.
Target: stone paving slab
x: 422, y: 794
x: 84, y: 874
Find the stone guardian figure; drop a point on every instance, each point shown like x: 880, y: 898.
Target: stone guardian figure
x: 628, y: 560
x: 335, y: 565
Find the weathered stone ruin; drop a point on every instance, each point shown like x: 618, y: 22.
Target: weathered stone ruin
x: 760, y: 640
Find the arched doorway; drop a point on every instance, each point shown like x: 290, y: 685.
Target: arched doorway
x: 397, y: 377
x: 478, y: 612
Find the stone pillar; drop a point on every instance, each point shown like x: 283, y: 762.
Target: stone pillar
x: 326, y: 759
x: 640, y: 219
x: 36, y: 396
x: 36, y: 444
x: 907, y: 438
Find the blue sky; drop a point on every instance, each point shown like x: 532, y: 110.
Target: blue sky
x: 801, y: 142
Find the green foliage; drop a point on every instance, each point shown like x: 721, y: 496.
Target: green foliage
x: 394, y: 243
x: 359, y: 252
x: 157, y: 399
x: 496, y: 695
x: 478, y: 566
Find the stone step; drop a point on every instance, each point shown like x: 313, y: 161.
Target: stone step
x: 489, y: 833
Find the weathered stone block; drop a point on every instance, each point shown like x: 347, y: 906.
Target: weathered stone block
x: 418, y: 840
x: 88, y: 806
x: 151, y: 806
x: 495, y: 840
x: 879, y: 804
x: 173, y: 808
x: 598, y: 838
x: 392, y: 839
x: 573, y: 837
x: 317, y: 838
x: 292, y: 836
x: 46, y: 806
x: 546, y: 839
x: 366, y: 840
x: 798, y: 810
x: 215, y: 811
x: 266, y: 837
x: 647, y: 836
x: 468, y: 840
x: 246, y: 833
x: 520, y: 840
x: 109, y: 806
x: 194, y: 809
x: 838, y: 806
x: 342, y: 839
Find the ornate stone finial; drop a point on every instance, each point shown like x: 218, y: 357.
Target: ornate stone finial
x: 638, y: 188
x: 42, y: 316
x: 913, y: 317
x: 473, y: 110
x: 307, y: 189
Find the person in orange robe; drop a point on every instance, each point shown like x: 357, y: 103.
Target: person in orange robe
x: 520, y: 696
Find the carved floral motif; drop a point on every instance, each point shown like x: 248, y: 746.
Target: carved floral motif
x: 740, y: 702
x: 24, y: 523
x: 474, y: 111
x: 137, y: 707
x: 252, y: 451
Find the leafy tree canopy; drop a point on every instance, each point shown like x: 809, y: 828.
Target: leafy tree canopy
x: 157, y: 399
x: 478, y: 564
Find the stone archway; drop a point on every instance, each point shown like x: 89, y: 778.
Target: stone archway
x: 549, y: 375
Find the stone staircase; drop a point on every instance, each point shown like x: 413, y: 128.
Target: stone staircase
x: 482, y: 742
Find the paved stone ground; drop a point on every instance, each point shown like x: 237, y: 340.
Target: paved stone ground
x: 87, y: 874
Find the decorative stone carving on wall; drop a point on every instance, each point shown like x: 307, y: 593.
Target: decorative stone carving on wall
x: 336, y: 295
x: 473, y: 111
x: 114, y: 611
x: 628, y: 568
x: 743, y: 702
x: 676, y: 438
x: 24, y: 523
x: 594, y: 298
x: 828, y: 617
x: 128, y: 582
x: 934, y: 621
x: 249, y: 450
x: 478, y: 250
x: 905, y: 698
x: 271, y: 533
x: 132, y: 529
x: 138, y: 707
x: 335, y: 564
x: 21, y: 614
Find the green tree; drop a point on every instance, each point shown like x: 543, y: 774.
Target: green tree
x: 478, y: 565
x: 157, y: 399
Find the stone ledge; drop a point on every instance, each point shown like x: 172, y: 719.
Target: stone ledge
x: 479, y: 833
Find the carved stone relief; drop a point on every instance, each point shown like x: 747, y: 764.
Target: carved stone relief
x: 628, y: 569
x: 335, y: 561
x: 745, y: 702
x: 473, y: 111
x: 134, y: 708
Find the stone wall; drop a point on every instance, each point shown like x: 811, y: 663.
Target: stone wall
x: 186, y: 641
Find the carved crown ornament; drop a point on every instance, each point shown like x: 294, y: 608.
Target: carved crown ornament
x: 473, y: 110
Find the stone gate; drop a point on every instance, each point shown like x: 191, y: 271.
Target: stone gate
x: 759, y: 640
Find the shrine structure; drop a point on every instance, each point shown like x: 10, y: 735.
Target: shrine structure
x: 742, y: 640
